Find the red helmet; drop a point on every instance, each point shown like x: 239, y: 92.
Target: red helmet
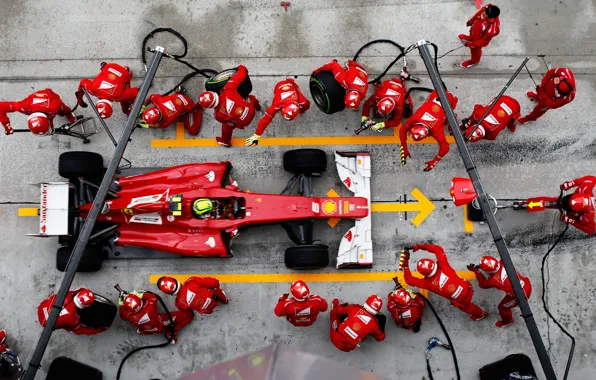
x: 478, y: 134
x: 580, y: 203
x: 132, y: 302
x: 427, y: 267
x: 489, y: 264
x: 353, y: 99
x: 151, y: 116
x: 290, y: 111
x: 39, y: 124
x: 299, y: 290
x: 373, y: 304
x: 564, y: 87
x: 419, y: 132
x: 209, y: 99
x: 168, y: 285
x: 104, y: 107
x: 385, y: 106
x: 401, y: 297
x: 84, y: 298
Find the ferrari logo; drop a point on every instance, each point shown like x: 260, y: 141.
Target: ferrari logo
x: 534, y: 204
x: 127, y: 211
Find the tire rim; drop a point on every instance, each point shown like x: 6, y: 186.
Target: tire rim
x: 319, y: 96
x: 223, y: 76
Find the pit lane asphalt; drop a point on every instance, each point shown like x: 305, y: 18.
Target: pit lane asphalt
x: 273, y: 43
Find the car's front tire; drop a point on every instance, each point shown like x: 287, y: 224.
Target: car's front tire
x: 305, y: 161
x: 305, y: 257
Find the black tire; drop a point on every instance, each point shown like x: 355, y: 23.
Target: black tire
x: 88, y: 165
x: 305, y: 161
x: 66, y: 368
x: 327, y: 93
x: 90, y: 262
x: 100, y: 314
x: 217, y: 82
x: 307, y: 257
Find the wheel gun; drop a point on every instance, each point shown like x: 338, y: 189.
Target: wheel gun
x: 365, y: 125
x: 434, y: 342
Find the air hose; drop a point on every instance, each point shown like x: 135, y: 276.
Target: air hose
x: 401, y: 54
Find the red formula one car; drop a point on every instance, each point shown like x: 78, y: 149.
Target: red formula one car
x: 155, y: 210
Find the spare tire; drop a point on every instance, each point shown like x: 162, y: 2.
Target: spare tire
x: 305, y: 161
x: 307, y: 257
x: 327, y: 93
x: 88, y: 165
x: 90, y: 261
x: 217, y: 82
x: 100, y: 313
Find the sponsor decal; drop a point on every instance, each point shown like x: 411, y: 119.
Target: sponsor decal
x: 358, y: 81
x: 329, y: 207
x: 128, y: 211
x: 457, y: 292
x: 178, y: 101
x: 356, y: 326
x: 244, y: 114
x: 190, y: 296
x: 145, y: 318
x: 45, y: 313
x: 428, y: 117
x: 43, y: 219
x: 182, y: 100
x: 364, y: 318
x: 506, y: 108
x: 436, y: 108
x: 351, y: 333
x: 43, y: 101
x: 259, y: 200
x: 451, y: 288
x: 171, y: 108
x: 107, y: 87
x: 392, y: 92
x: 303, y: 312
x: 500, y: 113
x: 147, y: 219
x: 346, y: 207
x: 315, y: 207
x: 504, y: 275
x: 210, y: 176
x: 148, y: 199
x: 285, y: 88
x: 348, y: 182
x: 114, y: 71
x: 111, y: 76
x: 239, y: 111
x: 170, y: 218
x: 287, y: 94
x: 406, y: 314
x: 491, y: 119
x: 443, y: 280
x: 210, y: 242
x: 229, y: 105
x: 352, y: 207
x: 349, y: 236
x: 206, y: 304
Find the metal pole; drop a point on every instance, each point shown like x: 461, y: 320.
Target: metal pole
x: 103, y: 122
x: 490, y: 218
x: 75, y: 257
x: 494, y: 103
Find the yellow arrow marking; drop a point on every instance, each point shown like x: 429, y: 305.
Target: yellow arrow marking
x: 424, y: 207
x: 534, y: 204
x: 333, y: 221
x: 24, y: 211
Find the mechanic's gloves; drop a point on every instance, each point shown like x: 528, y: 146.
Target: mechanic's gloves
x: 566, y: 185
x: 404, y: 260
x: 404, y: 154
x: 567, y: 219
x: 142, y: 123
x: 430, y: 165
x: 253, y: 140
x: 80, y: 100
x: 472, y: 267
x: 8, y: 129
x: 283, y: 297
x: 378, y: 127
x: 364, y: 119
x: 416, y: 247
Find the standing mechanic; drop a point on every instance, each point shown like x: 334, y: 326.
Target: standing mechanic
x: 41, y: 107
x: 503, y: 115
x: 231, y: 109
x: 112, y: 84
x: 140, y: 308
x: 556, y: 89
x: 302, y: 308
x: 429, y: 119
x: 352, y: 323
x: 406, y: 308
x: 352, y: 77
x: 288, y: 99
x: 498, y: 279
x: 166, y: 109
x: 201, y: 294
x: 484, y: 25
x: 389, y: 101
x: 69, y: 319
x: 441, y: 278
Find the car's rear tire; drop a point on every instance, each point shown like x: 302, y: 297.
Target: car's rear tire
x: 90, y: 261
x: 305, y: 161
x: 307, y: 257
x: 66, y: 368
x: 88, y: 165
x: 217, y: 82
x: 100, y: 314
x: 327, y: 93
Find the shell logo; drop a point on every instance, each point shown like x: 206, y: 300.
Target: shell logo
x: 111, y: 76
x: 501, y: 113
x: 285, y: 88
x: 435, y: 108
x: 362, y: 256
x: 239, y: 111
x: 356, y: 326
x: 359, y: 162
x: 179, y: 102
x: 329, y: 207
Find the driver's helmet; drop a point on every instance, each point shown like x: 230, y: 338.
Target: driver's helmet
x: 202, y: 206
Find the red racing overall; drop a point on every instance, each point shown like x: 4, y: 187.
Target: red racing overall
x: 503, y: 115
x: 69, y: 318
x: 173, y: 106
x: 300, y: 313
x: 408, y: 317
x: 113, y: 84
x: 354, y: 77
x: 286, y: 91
x: 201, y: 294
x: 482, y: 31
x: 356, y: 326
x: 394, y: 88
x: 547, y: 94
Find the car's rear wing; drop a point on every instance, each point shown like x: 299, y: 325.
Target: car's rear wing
x: 53, y: 209
x: 355, y: 248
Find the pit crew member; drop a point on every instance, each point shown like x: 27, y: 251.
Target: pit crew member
x: 201, y: 294
x: 503, y: 115
x: 352, y: 77
x: 556, y: 89
x: 484, y: 26
x: 69, y: 319
x: 166, y: 109
x: 352, y: 323
x: 389, y: 102
x: 301, y: 308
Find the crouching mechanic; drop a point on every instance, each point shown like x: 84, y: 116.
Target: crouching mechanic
x: 406, y: 308
x: 41, y: 107
x: 484, y: 25
x: 112, y: 84
x: 352, y: 323
x: 140, y: 308
x: 288, y: 99
x: 302, y: 308
x: 69, y: 319
x: 201, y: 294
x: 503, y: 115
x: 556, y: 89
x: 428, y: 120
x: 352, y: 77
x: 441, y: 279
x: 498, y: 279
x: 166, y: 109
x: 389, y: 101
x: 231, y: 109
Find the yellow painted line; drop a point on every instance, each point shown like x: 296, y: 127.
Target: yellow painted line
x: 308, y: 277
x: 468, y: 225
x: 179, y: 131
x: 25, y: 211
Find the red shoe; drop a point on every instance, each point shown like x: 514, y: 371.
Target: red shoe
x: 503, y: 324
x: 532, y: 95
x: 464, y: 37
x: 225, y: 300
x: 523, y: 120
x: 2, y: 336
x: 174, y: 338
x: 484, y: 314
x: 220, y: 141
x: 467, y: 64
